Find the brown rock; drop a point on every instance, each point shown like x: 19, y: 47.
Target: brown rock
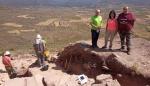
x: 103, y: 77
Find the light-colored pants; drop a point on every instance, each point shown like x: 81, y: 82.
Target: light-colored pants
x: 109, y: 35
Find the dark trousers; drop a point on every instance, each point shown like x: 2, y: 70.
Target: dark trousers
x: 11, y: 72
x: 95, y: 36
x: 125, y: 35
x: 41, y: 59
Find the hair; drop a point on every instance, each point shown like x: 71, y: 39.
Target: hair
x: 98, y: 10
x: 112, y: 11
x: 125, y: 7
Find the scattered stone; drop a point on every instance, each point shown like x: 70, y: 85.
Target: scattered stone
x: 103, y: 77
x: 119, y: 75
x: 112, y: 83
x: 28, y: 81
x: 38, y: 78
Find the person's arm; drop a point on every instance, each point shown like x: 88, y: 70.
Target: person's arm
x: 132, y: 23
x: 101, y: 23
x: 116, y: 25
x: 44, y: 43
x: 10, y: 63
x: 133, y: 20
x: 118, y: 21
x: 11, y: 58
x: 107, y: 25
x: 92, y: 24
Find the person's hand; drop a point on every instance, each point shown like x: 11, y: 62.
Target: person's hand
x: 97, y: 30
x: 12, y: 58
x: 132, y: 31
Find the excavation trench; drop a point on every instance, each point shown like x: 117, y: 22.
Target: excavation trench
x: 25, y: 73
x: 80, y: 59
x: 21, y: 67
x: 20, y: 73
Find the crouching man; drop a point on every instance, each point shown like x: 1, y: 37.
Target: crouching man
x: 6, y: 59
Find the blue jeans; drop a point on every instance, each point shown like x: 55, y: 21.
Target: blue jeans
x: 95, y: 36
x: 41, y: 59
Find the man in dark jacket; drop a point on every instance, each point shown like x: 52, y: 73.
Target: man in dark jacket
x: 125, y: 24
x: 39, y: 46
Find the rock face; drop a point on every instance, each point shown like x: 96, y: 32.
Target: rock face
x: 103, y: 77
x: 107, y: 80
x: 79, y: 58
x: 28, y: 81
x: 68, y: 80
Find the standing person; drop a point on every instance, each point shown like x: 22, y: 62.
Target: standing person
x: 6, y: 59
x: 39, y: 49
x: 96, y: 23
x: 125, y: 24
x: 111, y: 29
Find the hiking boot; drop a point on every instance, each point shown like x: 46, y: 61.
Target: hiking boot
x: 110, y: 49
x: 128, y: 52
x: 92, y: 46
x: 104, y: 47
x: 44, y: 68
x: 122, y: 48
x: 97, y: 46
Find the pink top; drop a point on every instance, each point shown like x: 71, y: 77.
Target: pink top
x: 112, y: 24
x: 6, y: 61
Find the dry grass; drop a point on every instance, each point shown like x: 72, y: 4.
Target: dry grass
x: 12, y: 25
x: 55, y: 27
x: 31, y: 30
x: 148, y: 16
x: 25, y: 17
x: 14, y: 32
x: 46, y: 23
x: 58, y: 27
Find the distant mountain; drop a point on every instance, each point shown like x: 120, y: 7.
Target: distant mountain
x: 84, y: 3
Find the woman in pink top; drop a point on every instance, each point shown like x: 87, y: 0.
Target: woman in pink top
x: 111, y: 29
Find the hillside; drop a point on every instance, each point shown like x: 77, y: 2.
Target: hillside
x: 64, y: 25
x: 74, y: 3
x: 58, y: 26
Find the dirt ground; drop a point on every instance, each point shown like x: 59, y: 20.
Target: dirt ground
x: 139, y: 61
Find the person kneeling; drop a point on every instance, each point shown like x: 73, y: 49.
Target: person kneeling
x: 6, y: 59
